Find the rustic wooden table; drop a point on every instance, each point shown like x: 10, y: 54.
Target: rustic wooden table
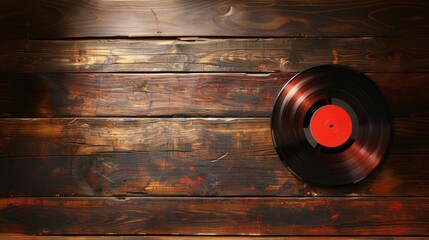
x: 153, y: 117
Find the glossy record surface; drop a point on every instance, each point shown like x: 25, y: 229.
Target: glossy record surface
x: 312, y: 89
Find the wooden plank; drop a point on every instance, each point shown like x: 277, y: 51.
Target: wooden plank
x: 182, y: 157
x: 214, y: 55
x: 214, y: 95
x: 66, y: 18
x: 143, y: 237
x: 163, y: 175
x: 208, y: 216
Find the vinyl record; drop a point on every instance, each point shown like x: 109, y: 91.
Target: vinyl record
x: 330, y: 125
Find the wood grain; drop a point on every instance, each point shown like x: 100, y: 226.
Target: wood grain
x: 143, y: 237
x: 207, y: 216
x: 213, y: 95
x: 181, y: 157
x: 151, y: 118
x: 71, y: 18
x: 213, y: 55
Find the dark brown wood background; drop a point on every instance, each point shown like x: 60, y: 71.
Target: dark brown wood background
x: 152, y: 117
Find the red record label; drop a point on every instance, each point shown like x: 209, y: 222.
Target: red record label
x: 331, y: 126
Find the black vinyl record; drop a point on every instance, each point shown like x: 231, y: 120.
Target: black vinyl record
x: 330, y: 125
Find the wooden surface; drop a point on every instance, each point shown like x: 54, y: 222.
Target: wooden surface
x: 131, y: 18
x: 146, y: 237
x: 181, y: 156
x: 152, y: 118
x: 177, y: 95
x: 369, y: 54
x: 207, y: 216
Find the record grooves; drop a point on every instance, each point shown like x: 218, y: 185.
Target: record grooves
x: 330, y: 125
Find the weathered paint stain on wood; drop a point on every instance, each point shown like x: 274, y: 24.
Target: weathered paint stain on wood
x: 161, y: 174
x: 214, y: 55
x: 213, y: 95
x: 230, y: 216
x: 179, y: 156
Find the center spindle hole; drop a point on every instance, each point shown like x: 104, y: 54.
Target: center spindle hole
x: 331, y: 126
